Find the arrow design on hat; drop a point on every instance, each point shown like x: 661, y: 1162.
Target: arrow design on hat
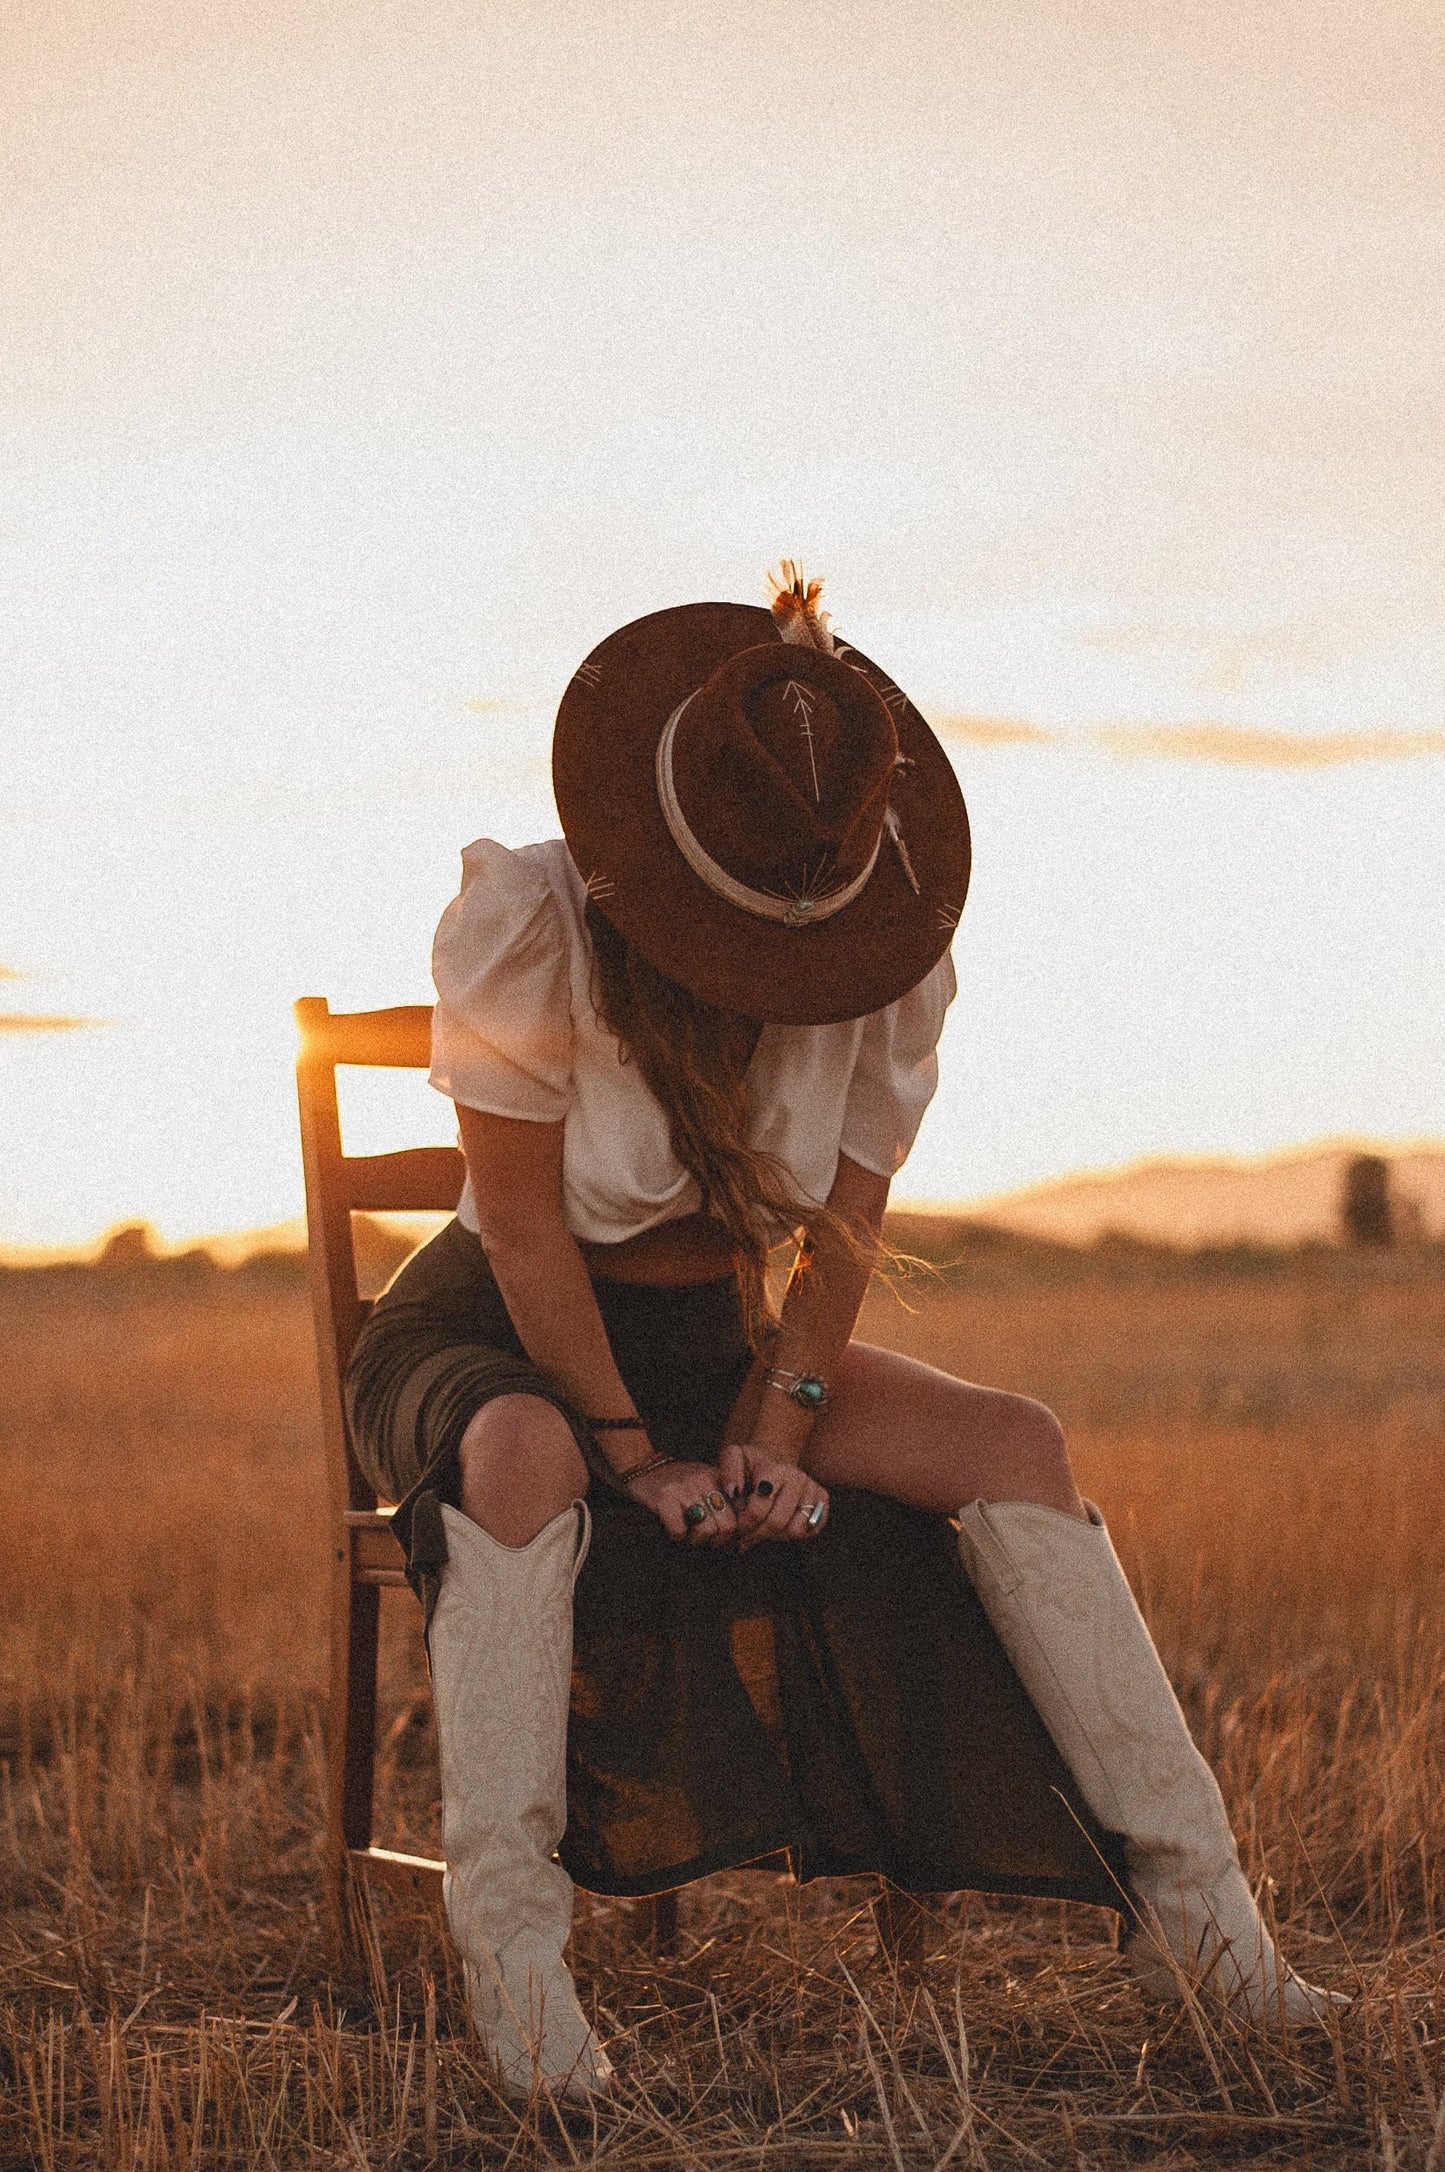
x: 589, y: 673
x: 801, y: 700
x: 894, y: 828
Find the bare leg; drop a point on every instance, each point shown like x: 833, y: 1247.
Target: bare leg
x: 906, y: 1430
x: 520, y: 1468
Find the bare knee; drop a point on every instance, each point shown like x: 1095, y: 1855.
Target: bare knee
x: 1031, y: 1458
x: 520, y: 1467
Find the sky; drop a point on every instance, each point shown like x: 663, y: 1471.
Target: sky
x: 363, y: 366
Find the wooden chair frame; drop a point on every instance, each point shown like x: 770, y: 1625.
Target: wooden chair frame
x: 365, y: 1556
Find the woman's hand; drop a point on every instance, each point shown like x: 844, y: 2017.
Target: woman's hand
x: 772, y: 1498
x: 674, y: 1488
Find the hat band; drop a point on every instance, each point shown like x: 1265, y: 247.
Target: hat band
x: 790, y: 912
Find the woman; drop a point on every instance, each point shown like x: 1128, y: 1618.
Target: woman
x: 705, y: 1020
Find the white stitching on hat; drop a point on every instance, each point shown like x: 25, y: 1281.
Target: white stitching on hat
x: 803, y: 699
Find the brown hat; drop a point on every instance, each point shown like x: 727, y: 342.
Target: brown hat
x: 760, y: 811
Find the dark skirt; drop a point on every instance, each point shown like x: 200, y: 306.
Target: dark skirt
x: 844, y: 1699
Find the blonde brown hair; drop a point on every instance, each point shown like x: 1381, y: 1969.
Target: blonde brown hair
x: 695, y: 1058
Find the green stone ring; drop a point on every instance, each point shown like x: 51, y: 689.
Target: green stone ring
x: 695, y: 1513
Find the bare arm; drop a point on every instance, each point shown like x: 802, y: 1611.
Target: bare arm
x: 768, y: 1430
x: 516, y: 1174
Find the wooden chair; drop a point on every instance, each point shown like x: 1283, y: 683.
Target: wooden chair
x: 365, y: 1556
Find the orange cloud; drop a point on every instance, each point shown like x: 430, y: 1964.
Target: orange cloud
x: 34, y: 1022
x: 1249, y: 747
x: 994, y: 731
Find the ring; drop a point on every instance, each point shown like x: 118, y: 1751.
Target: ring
x: 765, y: 1489
x: 816, y: 1514
x: 716, y: 1503
x: 695, y: 1513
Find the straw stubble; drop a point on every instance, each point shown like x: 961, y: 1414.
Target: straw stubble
x: 1264, y: 1437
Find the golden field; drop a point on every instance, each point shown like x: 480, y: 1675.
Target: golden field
x: 1264, y: 1432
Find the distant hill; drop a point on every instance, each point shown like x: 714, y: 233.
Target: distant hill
x: 1278, y: 1199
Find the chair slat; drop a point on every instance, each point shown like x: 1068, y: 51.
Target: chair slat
x: 401, y: 1873
x: 398, y: 1039
x: 420, y: 1179
x: 376, y: 1558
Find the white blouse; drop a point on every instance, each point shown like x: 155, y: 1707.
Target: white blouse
x: 515, y: 1033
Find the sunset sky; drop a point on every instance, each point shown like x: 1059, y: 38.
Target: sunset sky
x: 364, y: 365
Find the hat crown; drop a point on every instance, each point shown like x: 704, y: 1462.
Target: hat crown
x: 652, y: 719
x: 782, y: 762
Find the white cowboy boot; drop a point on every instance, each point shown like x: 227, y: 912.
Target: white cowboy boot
x: 1055, y: 1593
x: 501, y: 1664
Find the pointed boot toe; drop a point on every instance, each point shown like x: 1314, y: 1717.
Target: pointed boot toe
x: 548, y: 2044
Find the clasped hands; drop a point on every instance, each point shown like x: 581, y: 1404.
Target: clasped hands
x: 750, y: 1495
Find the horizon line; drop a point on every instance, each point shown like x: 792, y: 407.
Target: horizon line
x: 230, y: 1247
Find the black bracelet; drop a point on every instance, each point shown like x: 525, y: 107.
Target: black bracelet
x: 615, y: 1425
x: 638, y: 1470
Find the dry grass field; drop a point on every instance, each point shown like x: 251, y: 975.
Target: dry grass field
x: 1265, y: 1435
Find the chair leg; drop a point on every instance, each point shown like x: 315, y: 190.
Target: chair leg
x: 351, y: 1746
x: 905, y: 1923
x: 655, y: 1922
x: 664, y: 1922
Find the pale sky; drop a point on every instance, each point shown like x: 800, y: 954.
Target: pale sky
x: 363, y: 366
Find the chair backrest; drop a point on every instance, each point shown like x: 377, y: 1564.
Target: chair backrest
x: 417, y: 1180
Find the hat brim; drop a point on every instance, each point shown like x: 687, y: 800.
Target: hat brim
x: 604, y: 754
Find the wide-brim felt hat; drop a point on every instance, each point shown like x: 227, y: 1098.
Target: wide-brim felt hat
x: 760, y: 811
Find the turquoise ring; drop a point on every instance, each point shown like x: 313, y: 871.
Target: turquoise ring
x: 694, y: 1514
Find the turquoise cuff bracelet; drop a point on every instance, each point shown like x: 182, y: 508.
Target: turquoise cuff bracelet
x: 806, y: 1389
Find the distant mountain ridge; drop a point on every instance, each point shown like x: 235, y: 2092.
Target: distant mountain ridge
x: 1276, y: 1199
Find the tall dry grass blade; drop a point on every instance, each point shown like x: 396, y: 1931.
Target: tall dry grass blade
x: 429, y: 2071
x: 1435, y: 2154
x: 885, y: 2110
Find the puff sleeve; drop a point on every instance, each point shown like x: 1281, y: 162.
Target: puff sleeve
x: 502, y: 1027
x: 895, y: 1073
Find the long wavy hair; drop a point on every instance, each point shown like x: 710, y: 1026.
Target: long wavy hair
x: 695, y: 1058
